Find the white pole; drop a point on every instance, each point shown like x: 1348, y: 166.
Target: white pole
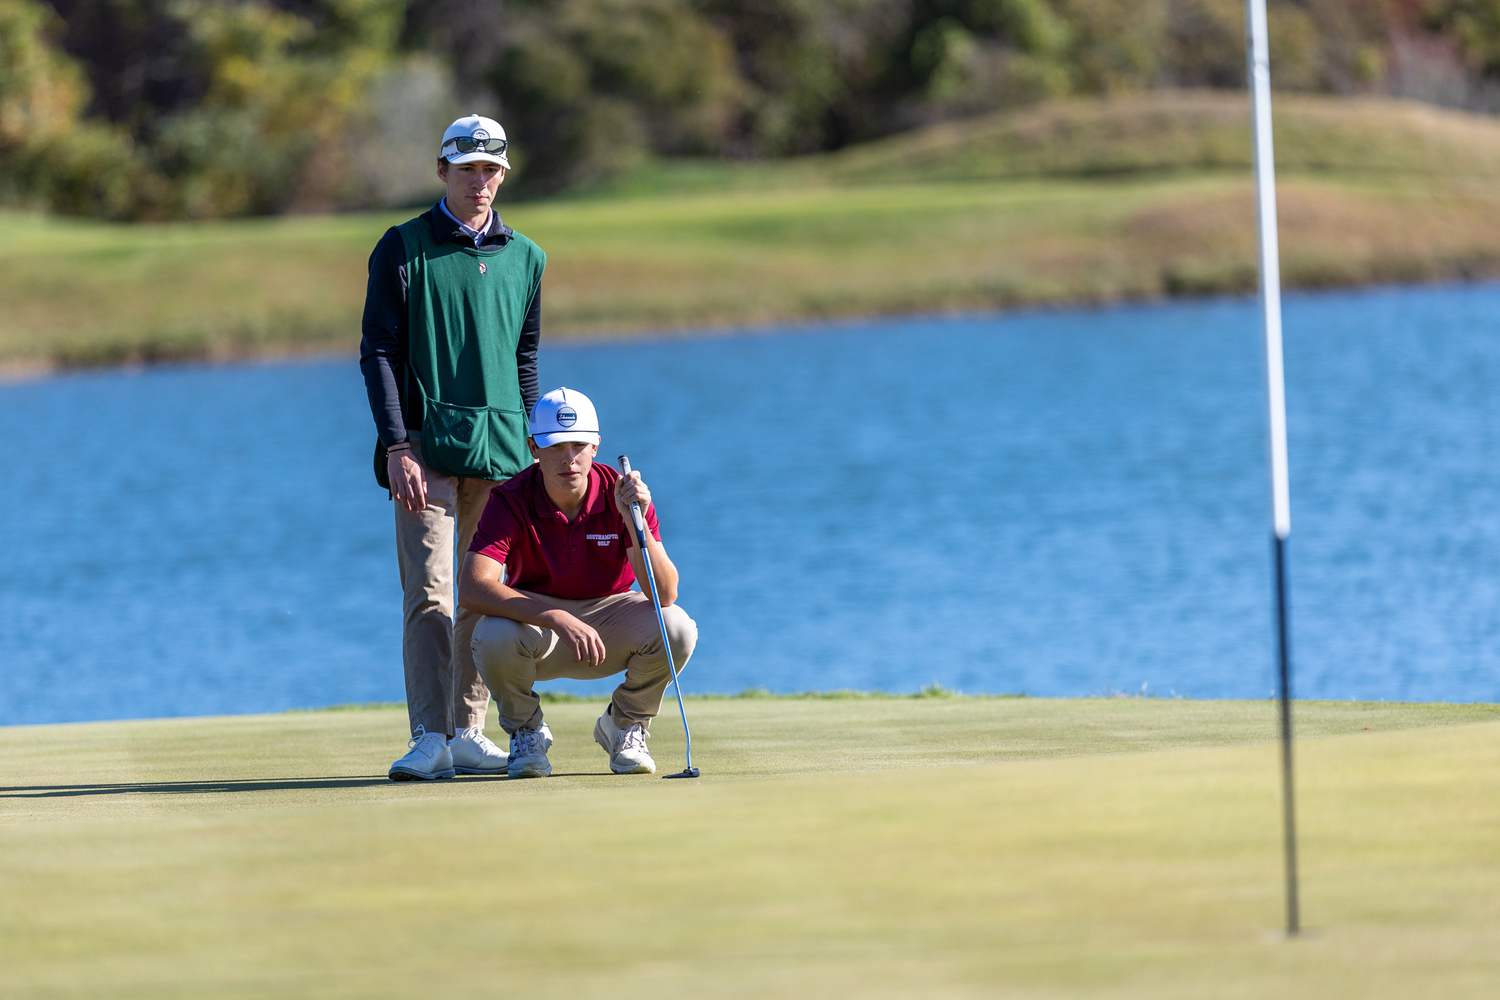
x: 1270, y: 264
x: 1281, y: 504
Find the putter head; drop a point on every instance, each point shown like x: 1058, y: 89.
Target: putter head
x: 687, y: 772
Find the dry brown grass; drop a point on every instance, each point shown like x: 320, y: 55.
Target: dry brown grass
x: 1168, y: 131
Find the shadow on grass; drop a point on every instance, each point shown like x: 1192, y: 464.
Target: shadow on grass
x: 234, y: 785
x: 191, y: 787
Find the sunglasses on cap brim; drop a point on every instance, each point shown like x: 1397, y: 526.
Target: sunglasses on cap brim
x: 468, y: 144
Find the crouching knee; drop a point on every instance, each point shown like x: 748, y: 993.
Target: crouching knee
x: 497, y: 640
x: 682, y: 633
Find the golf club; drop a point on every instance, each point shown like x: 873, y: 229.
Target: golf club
x: 640, y: 537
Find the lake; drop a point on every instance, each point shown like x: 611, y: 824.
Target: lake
x: 1049, y: 503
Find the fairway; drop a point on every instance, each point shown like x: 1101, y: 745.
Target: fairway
x: 881, y: 847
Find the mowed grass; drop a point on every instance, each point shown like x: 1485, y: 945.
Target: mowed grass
x: 1080, y: 202
x: 941, y: 847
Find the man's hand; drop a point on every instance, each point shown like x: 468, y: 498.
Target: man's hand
x: 481, y: 588
x: 408, y: 480
x: 582, y: 640
x: 628, y: 490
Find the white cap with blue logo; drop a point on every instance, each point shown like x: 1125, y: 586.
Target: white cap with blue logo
x: 564, y: 415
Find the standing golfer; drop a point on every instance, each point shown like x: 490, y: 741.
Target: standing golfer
x: 452, y: 319
x: 562, y: 529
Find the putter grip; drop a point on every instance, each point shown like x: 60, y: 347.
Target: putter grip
x: 635, y: 508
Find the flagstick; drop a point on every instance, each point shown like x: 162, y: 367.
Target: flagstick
x: 1281, y: 505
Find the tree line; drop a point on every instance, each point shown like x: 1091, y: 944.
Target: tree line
x: 161, y: 109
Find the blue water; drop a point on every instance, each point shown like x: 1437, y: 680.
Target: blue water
x: 1061, y: 503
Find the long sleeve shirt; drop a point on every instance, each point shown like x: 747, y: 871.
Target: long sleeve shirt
x: 383, y: 350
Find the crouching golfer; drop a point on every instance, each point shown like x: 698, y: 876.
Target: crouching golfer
x: 566, y: 609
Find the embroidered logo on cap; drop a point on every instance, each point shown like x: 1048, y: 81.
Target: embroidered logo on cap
x: 481, y: 136
x: 566, y: 416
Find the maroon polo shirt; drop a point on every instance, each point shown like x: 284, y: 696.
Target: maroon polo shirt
x: 545, y: 553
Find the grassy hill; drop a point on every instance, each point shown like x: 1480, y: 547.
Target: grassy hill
x: 938, y: 847
x: 1073, y: 202
x: 1165, y: 132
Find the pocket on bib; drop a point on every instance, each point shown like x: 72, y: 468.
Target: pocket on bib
x: 455, y: 439
x: 478, y: 442
x: 508, y: 452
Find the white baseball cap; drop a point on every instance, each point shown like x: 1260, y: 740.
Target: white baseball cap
x: 564, y: 415
x: 474, y: 137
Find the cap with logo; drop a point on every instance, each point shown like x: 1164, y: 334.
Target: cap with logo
x: 564, y: 415
x: 474, y: 138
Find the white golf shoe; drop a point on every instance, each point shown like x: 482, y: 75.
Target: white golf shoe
x: 528, y: 753
x: 626, y: 747
x: 427, y: 758
x: 475, y: 753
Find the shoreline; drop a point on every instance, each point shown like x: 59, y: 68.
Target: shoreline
x: 22, y: 370
x: 724, y: 263
x: 16, y: 372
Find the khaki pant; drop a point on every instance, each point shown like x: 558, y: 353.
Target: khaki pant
x: 443, y: 690
x: 513, y: 656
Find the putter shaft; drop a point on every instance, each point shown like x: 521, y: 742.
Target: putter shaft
x: 640, y: 537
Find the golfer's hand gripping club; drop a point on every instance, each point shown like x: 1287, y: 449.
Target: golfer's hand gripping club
x: 640, y: 537
x: 635, y: 512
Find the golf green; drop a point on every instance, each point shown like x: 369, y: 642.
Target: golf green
x: 920, y: 847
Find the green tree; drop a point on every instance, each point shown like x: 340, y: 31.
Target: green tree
x: 195, y: 108
x: 588, y: 87
x: 41, y: 90
x: 1474, y: 26
x: 230, y: 107
x: 277, y: 98
x: 48, y: 154
x: 976, y: 55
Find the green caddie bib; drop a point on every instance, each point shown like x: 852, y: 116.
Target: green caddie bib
x: 465, y: 308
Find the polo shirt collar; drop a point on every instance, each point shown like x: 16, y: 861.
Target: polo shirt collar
x: 476, y: 236
x: 545, y: 509
x: 445, y: 228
